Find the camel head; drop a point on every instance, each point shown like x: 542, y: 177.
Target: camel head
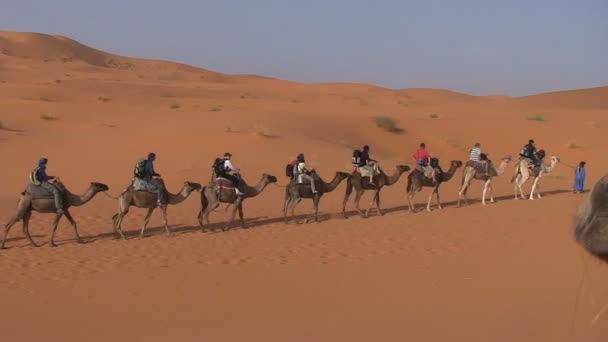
x: 554, y: 160
x: 269, y: 178
x: 403, y: 168
x: 507, y: 159
x: 591, y: 225
x: 99, y: 187
x: 456, y: 163
x: 192, y: 186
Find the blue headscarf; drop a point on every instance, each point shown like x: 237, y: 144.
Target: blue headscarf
x: 151, y: 156
x: 42, y: 161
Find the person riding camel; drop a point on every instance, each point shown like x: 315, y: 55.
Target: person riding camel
x: 367, y: 167
x: 147, y: 179
x: 529, y: 153
x: 423, y: 159
x: 302, y: 172
x: 478, y: 157
x: 228, y: 171
x: 38, y: 177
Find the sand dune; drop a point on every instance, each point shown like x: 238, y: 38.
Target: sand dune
x: 503, y: 272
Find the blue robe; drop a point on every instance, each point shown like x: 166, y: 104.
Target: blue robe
x: 579, y: 178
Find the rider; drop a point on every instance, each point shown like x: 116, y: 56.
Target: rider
x: 154, y: 184
x: 368, y: 167
x: 304, y: 172
x: 38, y: 177
x: 529, y: 152
x: 478, y: 157
x: 228, y: 167
x: 423, y: 159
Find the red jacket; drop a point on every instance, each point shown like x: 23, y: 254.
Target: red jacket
x: 422, y: 155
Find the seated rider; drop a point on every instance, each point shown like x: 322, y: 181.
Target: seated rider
x: 150, y: 180
x: 368, y: 167
x: 529, y: 152
x: 302, y: 172
x: 478, y: 157
x: 224, y: 172
x: 38, y: 177
x: 423, y: 158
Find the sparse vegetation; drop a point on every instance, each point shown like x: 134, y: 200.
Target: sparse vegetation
x: 103, y: 99
x: 536, y: 117
x: 175, y: 106
x: 215, y: 109
x: 434, y: 116
x: 48, y: 117
x: 44, y: 98
x: 387, y: 123
x: 166, y: 95
x: 2, y: 127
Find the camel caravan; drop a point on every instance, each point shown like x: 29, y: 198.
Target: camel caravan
x: 47, y: 195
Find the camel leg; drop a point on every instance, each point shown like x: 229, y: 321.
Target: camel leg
x: 117, y: 225
x: 410, y: 198
x: 438, y: 200
x: 357, y: 199
x: 315, y: 202
x: 294, y: 203
x: 485, y: 191
x: 8, y: 227
x: 240, y: 207
x: 521, y: 182
x: 378, y: 203
x: 55, y: 224
x: 490, y: 191
x: 74, y: 226
x: 349, y: 190
x: 428, y: 204
x: 165, y: 221
x: 233, y: 215
x: 26, y: 227
x: 208, y: 211
x: 146, y: 219
x: 534, y: 186
x: 371, y: 203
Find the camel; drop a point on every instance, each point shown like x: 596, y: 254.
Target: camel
x: 469, y: 173
x: 360, y: 184
x: 591, y: 223
x: 145, y: 199
x: 295, y: 192
x: 523, y: 173
x: 416, y: 180
x: 210, y: 199
x: 39, y: 200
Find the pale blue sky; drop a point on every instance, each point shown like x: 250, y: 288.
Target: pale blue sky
x: 513, y: 47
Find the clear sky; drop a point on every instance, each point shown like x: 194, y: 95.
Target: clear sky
x: 513, y: 47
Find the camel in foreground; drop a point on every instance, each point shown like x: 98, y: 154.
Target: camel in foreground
x: 523, y: 173
x: 295, y: 192
x: 211, y: 197
x: 591, y: 222
x: 145, y: 199
x: 472, y: 171
x: 416, y: 180
x: 360, y: 184
x: 34, y: 198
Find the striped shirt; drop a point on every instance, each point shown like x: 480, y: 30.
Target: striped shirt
x: 475, y: 153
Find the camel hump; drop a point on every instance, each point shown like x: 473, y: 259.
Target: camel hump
x: 38, y: 192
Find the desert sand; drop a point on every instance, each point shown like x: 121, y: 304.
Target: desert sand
x: 507, y: 271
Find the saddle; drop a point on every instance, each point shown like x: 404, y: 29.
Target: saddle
x: 38, y: 192
x: 480, y: 168
x: 222, y: 182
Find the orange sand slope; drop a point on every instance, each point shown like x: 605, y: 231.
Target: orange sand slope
x: 508, y: 271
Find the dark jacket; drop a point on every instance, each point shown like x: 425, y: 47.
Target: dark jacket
x: 41, y: 175
x: 149, y: 169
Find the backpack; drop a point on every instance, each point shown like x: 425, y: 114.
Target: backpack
x: 140, y: 168
x: 525, y: 151
x: 356, y: 160
x: 218, y: 166
x: 289, y: 169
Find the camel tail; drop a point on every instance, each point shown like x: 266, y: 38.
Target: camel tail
x: 409, y: 184
x: 114, y: 217
x: 204, y: 202
x: 515, y: 175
